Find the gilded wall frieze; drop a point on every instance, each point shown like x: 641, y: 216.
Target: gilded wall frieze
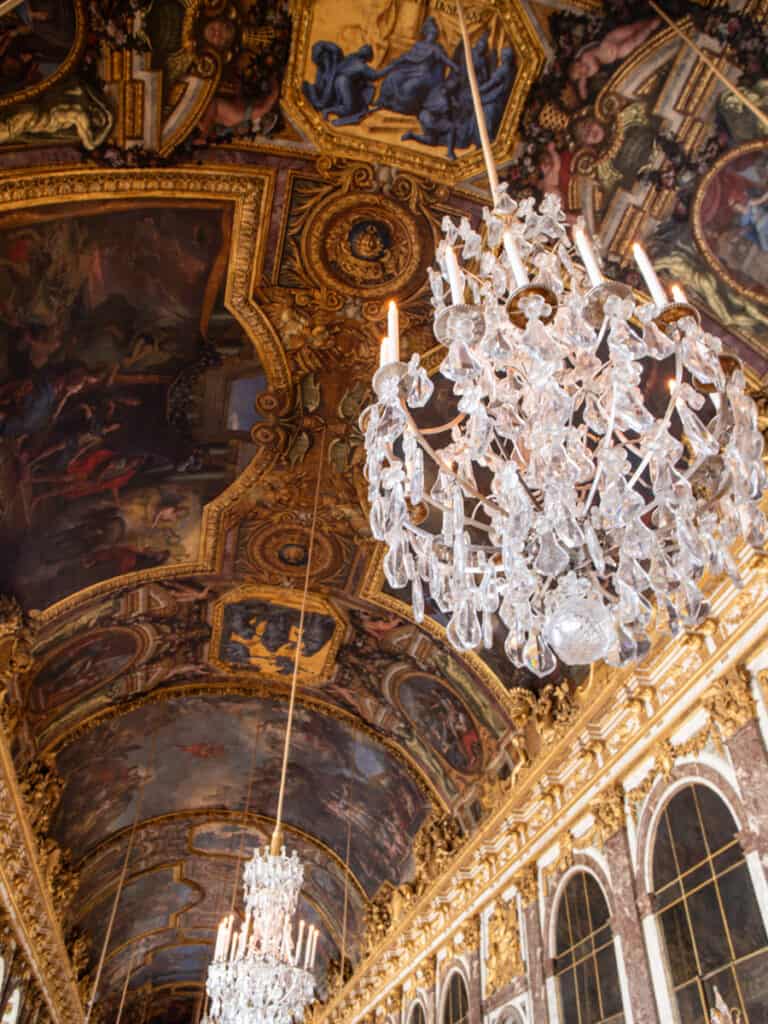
x: 624, y: 714
x: 504, y: 960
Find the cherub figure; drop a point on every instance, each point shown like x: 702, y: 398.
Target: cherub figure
x: 614, y: 46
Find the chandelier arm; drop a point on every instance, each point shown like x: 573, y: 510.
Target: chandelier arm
x: 276, y: 842
x: 455, y: 422
x: 468, y: 487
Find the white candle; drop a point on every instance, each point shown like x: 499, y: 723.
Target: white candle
x: 308, y: 948
x: 393, y: 327
x: 452, y: 265
x: 297, y: 953
x: 315, y: 933
x: 586, y: 251
x: 678, y: 294
x: 650, y: 277
x: 516, y: 264
x: 387, y: 353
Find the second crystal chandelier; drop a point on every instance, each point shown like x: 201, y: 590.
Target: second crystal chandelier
x: 585, y: 461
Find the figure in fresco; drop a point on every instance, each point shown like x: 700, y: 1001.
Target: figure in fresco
x: 75, y: 108
x: 616, y: 45
x: 35, y: 38
x: 345, y: 85
x: 411, y: 77
x: 264, y: 636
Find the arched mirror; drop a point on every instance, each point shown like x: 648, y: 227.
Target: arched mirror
x: 585, y: 962
x: 707, y: 909
x: 456, y: 1010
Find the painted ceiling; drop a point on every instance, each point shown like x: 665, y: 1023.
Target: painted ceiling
x: 204, y: 207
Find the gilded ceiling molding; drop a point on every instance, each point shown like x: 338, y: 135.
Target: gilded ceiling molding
x: 604, y: 742
x: 211, y: 814
x: 29, y: 903
x: 253, y: 688
x: 248, y: 191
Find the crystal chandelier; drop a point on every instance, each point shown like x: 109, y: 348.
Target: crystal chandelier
x: 586, y: 463
x: 260, y: 973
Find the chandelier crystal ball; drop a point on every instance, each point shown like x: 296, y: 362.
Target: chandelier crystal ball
x: 584, y: 461
x: 259, y: 974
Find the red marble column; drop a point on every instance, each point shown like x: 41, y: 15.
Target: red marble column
x: 750, y: 763
x: 535, y: 951
x: 627, y: 925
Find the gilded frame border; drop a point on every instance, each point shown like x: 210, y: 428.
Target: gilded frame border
x: 66, y: 66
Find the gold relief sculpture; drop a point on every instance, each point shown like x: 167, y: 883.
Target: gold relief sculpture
x: 555, y: 711
x: 521, y: 705
x: 730, y: 702
x: 505, y: 959
x: 526, y: 881
x: 609, y: 813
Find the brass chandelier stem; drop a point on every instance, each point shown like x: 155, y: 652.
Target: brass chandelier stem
x: 482, y: 125
x: 115, y: 903
x: 346, y: 902
x: 276, y: 835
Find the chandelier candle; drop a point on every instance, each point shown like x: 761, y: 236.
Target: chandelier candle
x: 587, y: 253
x: 678, y: 295
x: 454, y: 279
x: 650, y: 276
x: 516, y: 265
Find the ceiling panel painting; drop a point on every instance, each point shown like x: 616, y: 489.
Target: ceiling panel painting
x: 391, y: 79
x: 107, y: 361
x: 197, y: 751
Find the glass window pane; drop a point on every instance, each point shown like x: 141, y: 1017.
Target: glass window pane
x: 682, y: 962
x: 687, y: 836
x: 670, y: 894
x: 753, y: 981
x: 569, y: 1002
x: 587, y: 980
x: 708, y: 929
x: 697, y: 877
x: 664, y: 867
x: 719, y: 826
x: 689, y: 1005
x: 727, y: 858
x: 744, y: 918
x: 725, y: 983
x: 609, y: 981
x: 563, y: 931
x: 577, y: 908
x: 598, y: 908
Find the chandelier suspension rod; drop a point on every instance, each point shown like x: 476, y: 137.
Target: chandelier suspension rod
x: 115, y: 903
x: 346, y: 902
x: 705, y: 59
x: 125, y: 987
x: 482, y: 126
x: 276, y: 837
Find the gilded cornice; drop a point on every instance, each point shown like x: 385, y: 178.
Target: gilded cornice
x: 619, y: 718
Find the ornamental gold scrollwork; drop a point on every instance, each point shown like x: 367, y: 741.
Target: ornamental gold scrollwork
x: 505, y: 959
x: 526, y: 881
x: 730, y: 702
x: 555, y: 711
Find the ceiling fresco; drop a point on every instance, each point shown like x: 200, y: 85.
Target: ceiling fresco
x: 204, y: 209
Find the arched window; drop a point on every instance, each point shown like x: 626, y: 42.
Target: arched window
x: 417, y: 1015
x: 707, y: 909
x: 585, y: 964
x: 12, y: 1008
x: 457, y: 1002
